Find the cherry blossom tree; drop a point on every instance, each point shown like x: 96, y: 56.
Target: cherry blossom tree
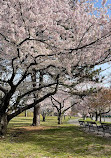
x: 46, y: 109
x: 61, y: 38
x: 96, y: 104
x: 62, y: 103
x: 100, y: 103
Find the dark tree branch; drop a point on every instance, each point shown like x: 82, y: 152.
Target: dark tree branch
x: 54, y: 104
x: 68, y: 108
x: 17, y: 112
x: 10, y: 81
x: 89, y: 44
x: 6, y: 39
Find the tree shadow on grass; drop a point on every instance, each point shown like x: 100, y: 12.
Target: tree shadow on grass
x: 66, y: 141
x: 18, y: 124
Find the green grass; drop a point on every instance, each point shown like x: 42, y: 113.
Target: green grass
x: 51, y: 141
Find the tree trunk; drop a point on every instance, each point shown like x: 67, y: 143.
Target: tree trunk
x: 84, y: 117
x: 91, y: 116
x: 59, y: 122
x: 43, y: 118
x: 36, y: 116
x: 25, y: 113
x: 36, y: 113
x: 59, y: 119
x: 100, y: 118
x: 3, y: 125
x: 96, y: 119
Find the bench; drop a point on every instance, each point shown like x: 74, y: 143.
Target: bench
x: 88, y: 124
x: 106, y: 128
x: 82, y: 123
x: 93, y: 126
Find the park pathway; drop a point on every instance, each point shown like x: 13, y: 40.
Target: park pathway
x: 74, y: 121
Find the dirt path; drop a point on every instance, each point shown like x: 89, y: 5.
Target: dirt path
x: 73, y: 121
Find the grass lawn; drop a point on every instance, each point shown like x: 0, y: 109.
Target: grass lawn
x: 51, y: 141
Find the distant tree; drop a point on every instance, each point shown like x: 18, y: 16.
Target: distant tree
x: 101, y: 103
x: 59, y: 102
x: 97, y: 104
x: 46, y: 109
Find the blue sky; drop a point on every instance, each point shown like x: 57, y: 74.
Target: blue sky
x: 105, y: 67
x: 106, y: 72
x: 98, y: 4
